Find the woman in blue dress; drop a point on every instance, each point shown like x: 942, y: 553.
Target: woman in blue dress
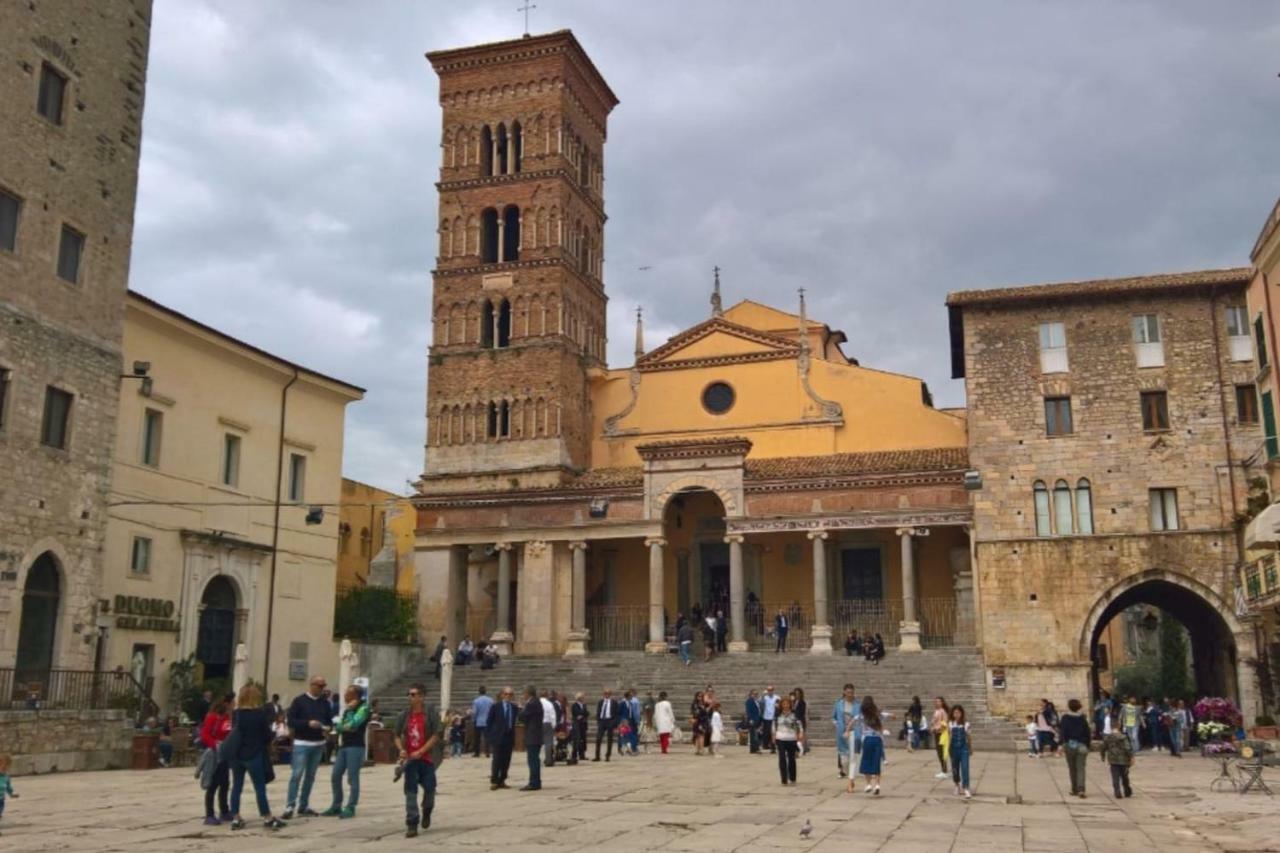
x: 872, y: 746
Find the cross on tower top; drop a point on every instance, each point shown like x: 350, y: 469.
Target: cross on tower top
x: 525, y: 8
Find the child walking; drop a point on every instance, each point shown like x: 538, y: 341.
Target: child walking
x: 872, y: 747
x: 6, y: 784
x: 457, y: 736
x: 1033, y: 738
x: 1117, y: 752
x: 958, y: 731
x: 717, y: 731
x: 648, y: 734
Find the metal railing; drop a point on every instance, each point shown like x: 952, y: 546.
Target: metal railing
x: 1260, y: 580
x: 762, y: 617
x: 940, y: 625
x: 70, y: 690
x: 618, y: 627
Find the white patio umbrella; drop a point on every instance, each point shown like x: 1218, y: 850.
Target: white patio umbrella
x: 446, y: 682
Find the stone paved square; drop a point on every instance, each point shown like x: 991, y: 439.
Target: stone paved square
x: 676, y: 802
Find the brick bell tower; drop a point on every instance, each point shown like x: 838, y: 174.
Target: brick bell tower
x: 518, y: 303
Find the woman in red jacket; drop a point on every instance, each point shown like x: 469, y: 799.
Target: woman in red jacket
x: 214, y: 730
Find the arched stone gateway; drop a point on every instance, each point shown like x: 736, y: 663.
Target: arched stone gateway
x: 1222, y: 647
x: 37, y: 632
x: 216, y: 638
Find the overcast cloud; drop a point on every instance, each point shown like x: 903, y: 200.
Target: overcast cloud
x: 879, y: 155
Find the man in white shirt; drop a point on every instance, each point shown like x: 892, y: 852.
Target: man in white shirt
x: 548, y: 730
x: 769, y: 706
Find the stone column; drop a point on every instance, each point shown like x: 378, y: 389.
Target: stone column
x: 494, y: 162
x: 657, y: 624
x: 455, y: 624
x: 737, y: 595
x: 578, y: 634
x: 909, y: 630
x: 502, y: 634
x: 821, y: 633
x: 502, y: 243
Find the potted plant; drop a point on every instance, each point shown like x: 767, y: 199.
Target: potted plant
x: 1265, y: 729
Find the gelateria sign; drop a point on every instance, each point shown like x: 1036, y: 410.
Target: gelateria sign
x: 142, y: 614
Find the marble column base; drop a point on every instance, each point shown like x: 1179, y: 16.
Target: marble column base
x: 909, y: 632
x: 656, y: 648
x: 503, y: 641
x: 737, y: 647
x: 821, y: 636
x: 577, y: 643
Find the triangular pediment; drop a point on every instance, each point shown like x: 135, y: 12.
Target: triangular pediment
x: 717, y: 341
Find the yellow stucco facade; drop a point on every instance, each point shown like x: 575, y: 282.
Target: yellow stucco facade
x: 369, y: 520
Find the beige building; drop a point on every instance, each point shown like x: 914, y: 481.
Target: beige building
x: 375, y: 538
x: 1113, y: 426
x: 72, y: 76
x: 209, y: 544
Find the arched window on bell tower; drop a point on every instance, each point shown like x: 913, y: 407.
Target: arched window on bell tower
x: 516, y: 144
x: 489, y: 236
x: 486, y: 326
x: 511, y: 233
x: 503, y: 151
x: 486, y: 151
x: 504, y: 325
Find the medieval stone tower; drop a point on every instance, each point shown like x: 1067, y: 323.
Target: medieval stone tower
x: 518, y: 300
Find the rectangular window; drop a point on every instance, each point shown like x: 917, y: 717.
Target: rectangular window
x: 5, y: 380
x: 9, y: 207
x: 297, y: 477
x: 1246, y: 404
x: 1053, y: 348
x: 1147, y: 340
x: 152, y: 426
x: 55, y: 429
x: 1269, y: 426
x: 140, y: 559
x: 70, y: 251
x: 1057, y: 415
x: 1261, y: 338
x: 53, y: 89
x: 1164, y: 509
x: 1239, y: 344
x: 1155, y: 410
x: 230, y: 460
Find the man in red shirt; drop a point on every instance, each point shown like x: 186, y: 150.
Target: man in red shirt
x: 418, y: 736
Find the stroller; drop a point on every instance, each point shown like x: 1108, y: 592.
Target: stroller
x: 562, y: 743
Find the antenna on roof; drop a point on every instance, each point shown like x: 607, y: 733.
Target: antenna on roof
x: 717, y: 309
x: 525, y: 8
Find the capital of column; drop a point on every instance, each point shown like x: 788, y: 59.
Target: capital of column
x: 502, y: 546
x: 578, y: 546
x: 650, y: 541
x: 912, y: 531
x: 818, y: 534
x: 735, y: 538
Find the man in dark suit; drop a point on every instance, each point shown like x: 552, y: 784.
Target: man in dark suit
x: 722, y: 632
x: 580, y: 715
x: 753, y: 716
x: 501, y: 732
x: 531, y: 715
x: 781, y: 625
x: 607, y: 712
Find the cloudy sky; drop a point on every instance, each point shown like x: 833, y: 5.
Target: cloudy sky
x: 879, y: 155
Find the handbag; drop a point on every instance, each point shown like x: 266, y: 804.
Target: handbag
x: 230, y: 746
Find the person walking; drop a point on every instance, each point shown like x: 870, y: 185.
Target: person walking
x: 502, y: 738
x: 753, y: 716
x: 1046, y: 728
x: 959, y: 749
x: 480, y: 707
x: 419, y: 735
x: 606, y: 723
x: 781, y: 625
x: 684, y: 636
x: 580, y: 716
x: 786, y: 733
x: 664, y: 720
x: 846, y: 716
x: 310, y: 717
x: 915, y: 724
x: 636, y: 717
x: 708, y: 638
x: 722, y: 632
x: 549, y: 717
x: 1076, y: 734
x: 213, y: 731
x: 717, y: 730
x: 532, y: 715
x: 1117, y: 754
x: 700, y: 712
x: 1177, y: 726
x: 1130, y: 722
x: 800, y: 708
x: 769, y: 711
x: 938, y: 724
x: 350, y: 728
x: 250, y: 741
x: 872, y: 747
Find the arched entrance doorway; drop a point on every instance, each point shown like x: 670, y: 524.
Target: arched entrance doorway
x: 38, y: 628
x: 1213, y: 653
x: 693, y: 523
x: 215, y: 641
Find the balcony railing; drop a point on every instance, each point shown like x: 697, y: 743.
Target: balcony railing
x: 70, y: 690
x: 1260, y: 581
x: 618, y: 627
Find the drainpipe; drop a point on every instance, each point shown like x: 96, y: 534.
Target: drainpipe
x: 1271, y: 366
x: 275, y: 529
x: 1222, y: 400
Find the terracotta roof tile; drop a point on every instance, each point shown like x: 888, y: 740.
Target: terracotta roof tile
x: 1102, y: 287
x: 844, y: 464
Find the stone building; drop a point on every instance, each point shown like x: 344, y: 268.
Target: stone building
x: 72, y: 77
x: 745, y: 466
x: 223, y: 526
x: 1113, y: 424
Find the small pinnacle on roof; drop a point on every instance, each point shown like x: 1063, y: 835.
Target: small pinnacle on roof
x: 717, y: 309
x: 639, y: 333
x: 804, y: 324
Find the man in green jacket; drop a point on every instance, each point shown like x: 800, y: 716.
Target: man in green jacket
x: 420, y: 739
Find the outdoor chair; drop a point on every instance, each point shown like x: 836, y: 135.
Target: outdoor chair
x: 1253, y: 761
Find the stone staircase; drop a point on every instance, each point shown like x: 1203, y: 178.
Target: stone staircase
x: 954, y: 673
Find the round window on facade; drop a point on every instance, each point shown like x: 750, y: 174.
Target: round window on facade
x: 717, y: 398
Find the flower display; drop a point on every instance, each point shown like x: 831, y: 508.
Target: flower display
x: 1218, y: 710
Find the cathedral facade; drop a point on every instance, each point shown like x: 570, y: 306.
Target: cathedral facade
x: 746, y: 466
